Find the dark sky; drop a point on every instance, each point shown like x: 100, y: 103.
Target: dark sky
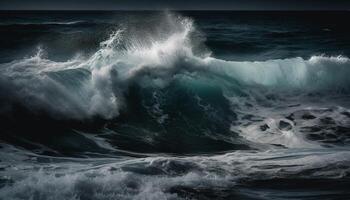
x: 175, y: 4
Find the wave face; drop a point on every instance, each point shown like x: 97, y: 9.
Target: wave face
x: 152, y: 112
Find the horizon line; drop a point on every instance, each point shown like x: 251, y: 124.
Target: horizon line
x: 174, y: 10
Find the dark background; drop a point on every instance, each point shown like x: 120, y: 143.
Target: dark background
x: 175, y: 5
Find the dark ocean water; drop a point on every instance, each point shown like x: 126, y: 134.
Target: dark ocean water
x: 174, y: 105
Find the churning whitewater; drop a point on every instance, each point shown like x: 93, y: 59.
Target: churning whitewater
x: 152, y: 113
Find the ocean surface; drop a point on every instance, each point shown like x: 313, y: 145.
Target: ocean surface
x: 174, y: 105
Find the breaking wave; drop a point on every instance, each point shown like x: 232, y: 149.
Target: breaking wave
x: 95, y: 86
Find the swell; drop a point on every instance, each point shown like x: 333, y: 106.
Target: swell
x: 45, y: 24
